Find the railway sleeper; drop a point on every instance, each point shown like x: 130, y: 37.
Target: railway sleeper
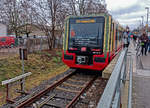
x: 39, y: 105
x: 22, y: 100
x: 84, y: 101
x: 73, y: 85
x: 67, y: 90
x: 74, y: 80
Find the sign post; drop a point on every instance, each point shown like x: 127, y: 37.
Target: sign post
x: 23, y: 56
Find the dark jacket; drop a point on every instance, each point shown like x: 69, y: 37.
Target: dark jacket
x: 144, y: 39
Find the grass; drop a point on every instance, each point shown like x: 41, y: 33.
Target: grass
x: 43, y: 66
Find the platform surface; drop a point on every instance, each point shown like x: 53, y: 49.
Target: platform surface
x: 141, y: 81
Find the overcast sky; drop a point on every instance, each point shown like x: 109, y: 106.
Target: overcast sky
x: 128, y: 12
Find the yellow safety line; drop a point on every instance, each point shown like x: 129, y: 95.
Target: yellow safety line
x: 67, y: 34
x: 112, y: 36
x: 105, y: 34
x: 109, y: 33
x: 64, y: 36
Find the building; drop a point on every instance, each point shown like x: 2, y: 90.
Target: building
x: 34, y: 30
x: 3, y: 29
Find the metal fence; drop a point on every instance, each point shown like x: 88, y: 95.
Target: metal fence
x: 36, y: 44
x: 111, y: 97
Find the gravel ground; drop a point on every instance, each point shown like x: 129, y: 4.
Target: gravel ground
x: 63, y: 96
x: 87, y: 100
x: 91, y: 98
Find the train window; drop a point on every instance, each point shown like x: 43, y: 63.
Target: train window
x: 86, y: 30
x: 86, y: 34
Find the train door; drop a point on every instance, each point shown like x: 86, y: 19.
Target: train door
x: 112, y: 41
x: 116, y: 39
x: 110, y: 38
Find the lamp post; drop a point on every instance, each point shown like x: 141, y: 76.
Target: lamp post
x: 142, y: 23
x: 147, y: 8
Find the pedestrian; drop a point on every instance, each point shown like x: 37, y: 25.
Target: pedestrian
x: 144, y: 42
x: 134, y: 39
x: 125, y: 39
x: 126, y: 36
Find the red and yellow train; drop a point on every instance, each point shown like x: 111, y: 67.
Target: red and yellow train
x: 91, y: 42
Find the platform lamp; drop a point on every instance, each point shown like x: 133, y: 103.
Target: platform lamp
x: 147, y: 8
x: 142, y: 21
x: 142, y: 29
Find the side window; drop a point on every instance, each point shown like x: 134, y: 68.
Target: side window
x: 3, y: 39
x: 110, y: 37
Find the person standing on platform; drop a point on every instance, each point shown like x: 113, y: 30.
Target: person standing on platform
x: 129, y: 34
x: 134, y: 39
x: 125, y: 39
x: 144, y: 42
x: 126, y: 36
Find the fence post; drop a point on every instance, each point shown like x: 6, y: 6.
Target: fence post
x: 40, y: 44
x: 7, y: 91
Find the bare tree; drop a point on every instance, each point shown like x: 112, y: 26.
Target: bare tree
x: 86, y: 7
x: 10, y: 14
x: 16, y: 13
x: 95, y: 7
x: 48, y: 15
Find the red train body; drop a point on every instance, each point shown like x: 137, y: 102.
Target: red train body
x: 91, y: 42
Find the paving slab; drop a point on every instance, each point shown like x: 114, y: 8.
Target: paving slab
x: 146, y: 61
x: 141, y: 81
x: 141, y: 92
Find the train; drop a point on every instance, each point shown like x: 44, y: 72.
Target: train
x: 91, y: 42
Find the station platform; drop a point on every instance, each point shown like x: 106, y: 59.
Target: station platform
x: 141, y: 80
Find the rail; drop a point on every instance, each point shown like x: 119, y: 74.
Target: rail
x: 111, y: 97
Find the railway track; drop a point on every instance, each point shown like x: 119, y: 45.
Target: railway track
x: 64, y: 93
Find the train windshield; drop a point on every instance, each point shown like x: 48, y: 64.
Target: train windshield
x: 86, y: 32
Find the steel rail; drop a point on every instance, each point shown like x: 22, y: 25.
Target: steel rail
x: 34, y: 98
x: 80, y: 93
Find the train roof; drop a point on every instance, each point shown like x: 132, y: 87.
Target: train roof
x: 95, y: 15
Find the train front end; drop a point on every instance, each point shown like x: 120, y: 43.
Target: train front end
x: 83, y: 43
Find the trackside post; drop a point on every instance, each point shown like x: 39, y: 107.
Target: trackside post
x: 19, y: 80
